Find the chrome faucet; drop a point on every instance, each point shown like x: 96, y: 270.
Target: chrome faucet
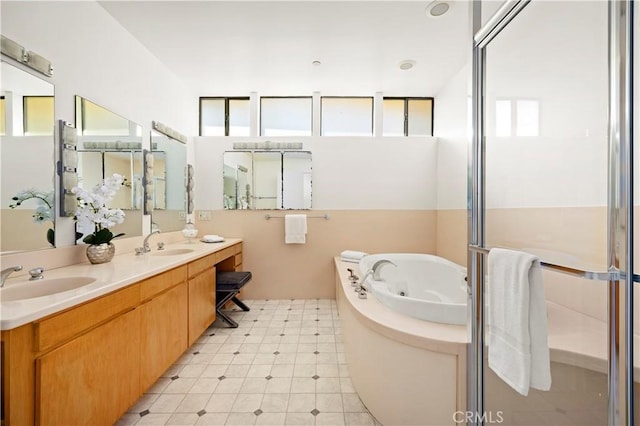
x: 6, y: 272
x: 375, y: 273
x: 145, y: 244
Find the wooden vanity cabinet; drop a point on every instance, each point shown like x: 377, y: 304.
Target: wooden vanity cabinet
x: 163, y: 323
x: 202, y: 296
x: 90, y: 363
x: 92, y: 379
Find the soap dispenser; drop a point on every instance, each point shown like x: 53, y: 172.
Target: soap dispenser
x: 189, y: 231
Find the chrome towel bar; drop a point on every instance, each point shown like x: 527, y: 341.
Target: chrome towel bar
x: 588, y: 275
x: 268, y: 216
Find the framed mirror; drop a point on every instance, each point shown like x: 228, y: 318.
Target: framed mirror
x: 168, y: 196
x: 27, y: 161
x: 109, y: 143
x: 267, y: 180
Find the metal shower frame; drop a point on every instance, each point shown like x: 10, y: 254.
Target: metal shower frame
x: 619, y: 274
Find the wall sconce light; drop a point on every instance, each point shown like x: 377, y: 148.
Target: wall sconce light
x: 189, y: 192
x: 267, y: 145
x: 168, y: 131
x: 67, y: 167
x: 147, y: 181
x: 34, y: 61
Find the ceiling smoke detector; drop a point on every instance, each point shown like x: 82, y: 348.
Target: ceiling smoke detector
x: 438, y: 8
x: 407, y: 64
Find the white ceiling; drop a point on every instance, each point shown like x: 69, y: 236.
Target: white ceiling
x: 231, y: 48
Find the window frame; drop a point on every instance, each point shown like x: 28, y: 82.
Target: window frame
x: 406, y: 100
x: 226, y: 110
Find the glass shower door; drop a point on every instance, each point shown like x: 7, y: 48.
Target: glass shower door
x: 545, y: 126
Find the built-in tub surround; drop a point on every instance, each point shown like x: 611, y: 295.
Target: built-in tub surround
x: 422, y: 286
x: 407, y: 371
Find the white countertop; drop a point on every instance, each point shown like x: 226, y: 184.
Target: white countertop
x: 123, y: 270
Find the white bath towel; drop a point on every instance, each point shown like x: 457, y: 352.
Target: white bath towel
x: 518, y: 348
x: 352, y: 256
x: 295, y: 228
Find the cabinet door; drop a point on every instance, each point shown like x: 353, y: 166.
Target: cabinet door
x: 202, y: 303
x: 163, y: 324
x: 94, y: 378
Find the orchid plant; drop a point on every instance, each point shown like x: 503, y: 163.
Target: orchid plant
x: 92, y: 211
x: 44, y: 209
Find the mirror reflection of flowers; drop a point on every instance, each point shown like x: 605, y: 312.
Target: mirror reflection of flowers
x: 92, y: 212
x: 44, y: 210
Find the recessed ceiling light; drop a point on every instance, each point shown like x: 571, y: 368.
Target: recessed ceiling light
x: 438, y: 8
x: 316, y: 63
x: 407, y: 64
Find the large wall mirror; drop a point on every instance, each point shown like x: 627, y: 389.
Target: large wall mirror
x: 27, y: 161
x: 169, y: 187
x: 108, y: 144
x: 267, y: 180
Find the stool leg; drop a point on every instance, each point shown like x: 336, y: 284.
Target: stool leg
x: 226, y: 319
x: 240, y: 304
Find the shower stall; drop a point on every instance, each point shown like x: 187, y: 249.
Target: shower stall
x: 555, y: 89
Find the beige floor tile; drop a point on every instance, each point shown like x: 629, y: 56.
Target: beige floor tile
x: 166, y: 403
x: 278, y: 385
x: 329, y: 402
x: 282, y: 370
x: 352, y: 404
x: 154, y: 419
x: 220, y: 403
x: 328, y: 385
x: 183, y: 419
x: 247, y: 403
x: 193, y: 403
x: 237, y: 370
x: 327, y: 370
x: 330, y: 419
x: 254, y: 385
x: 241, y: 419
x: 213, y: 419
x: 271, y: 419
x: 303, y: 385
x: 358, y: 419
x: 231, y: 385
x: 304, y: 370
x: 301, y: 402
x: 214, y: 370
x: 204, y: 385
x: 275, y: 403
x: 259, y: 370
x: 299, y: 419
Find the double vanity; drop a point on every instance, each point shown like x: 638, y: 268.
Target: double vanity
x: 83, y: 344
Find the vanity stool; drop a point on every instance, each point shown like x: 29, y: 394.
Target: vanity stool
x: 228, y: 284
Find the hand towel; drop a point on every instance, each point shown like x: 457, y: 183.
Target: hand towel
x: 352, y: 256
x: 518, y: 348
x: 295, y: 228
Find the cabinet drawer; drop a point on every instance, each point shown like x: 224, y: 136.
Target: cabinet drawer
x: 225, y: 254
x: 61, y: 327
x: 238, y: 259
x: 200, y: 265
x: 157, y: 284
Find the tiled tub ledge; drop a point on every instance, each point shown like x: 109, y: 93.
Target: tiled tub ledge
x: 123, y: 270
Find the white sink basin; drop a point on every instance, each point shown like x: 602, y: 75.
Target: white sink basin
x: 172, y: 252
x: 45, y: 287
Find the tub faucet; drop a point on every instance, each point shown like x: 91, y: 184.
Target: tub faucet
x: 374, y: 272
x: 6, y: 272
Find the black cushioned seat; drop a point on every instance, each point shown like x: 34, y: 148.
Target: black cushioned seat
x: 228, y: 284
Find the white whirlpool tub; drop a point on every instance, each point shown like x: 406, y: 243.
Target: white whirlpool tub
x: 419, y: 285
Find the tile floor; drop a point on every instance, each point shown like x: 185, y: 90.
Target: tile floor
x: 283, y: 365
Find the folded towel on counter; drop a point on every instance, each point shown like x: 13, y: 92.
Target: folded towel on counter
x: 295, y: 228
x: 352, y: 256
x: 518, y: 347
x: 212, y: 239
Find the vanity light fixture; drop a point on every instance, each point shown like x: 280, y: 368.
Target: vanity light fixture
x: 31, y: 59
x: 266, y: 146
x: 168, y: 131
x: 68, y: 167
x: 407, y: 64
x: 437, y: 8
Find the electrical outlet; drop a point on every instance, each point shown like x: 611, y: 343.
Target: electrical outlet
x: 204, y: 215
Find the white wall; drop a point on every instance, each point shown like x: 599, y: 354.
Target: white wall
x: 348, y: 173
x: 452, y: 127
x: 93, y: 56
